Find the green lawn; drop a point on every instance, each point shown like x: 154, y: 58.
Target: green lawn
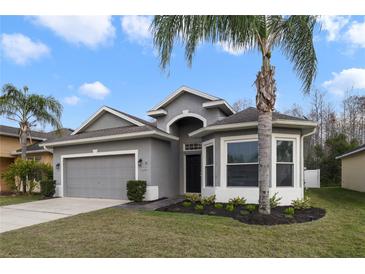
x: 126, y: 233
x: 18, y: 199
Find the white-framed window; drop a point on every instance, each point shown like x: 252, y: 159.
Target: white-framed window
x: 284, y: 162
x: 242, y: 163
x: 34, y: 158
x: 208, y: 164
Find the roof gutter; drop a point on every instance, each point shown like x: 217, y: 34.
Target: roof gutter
x: 350, y: 153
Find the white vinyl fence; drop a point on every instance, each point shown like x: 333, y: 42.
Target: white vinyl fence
x: 312, y: 178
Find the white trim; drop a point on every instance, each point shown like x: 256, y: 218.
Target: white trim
x: 157, y: 113
x: 177, y: 92
x: 301, y: 180
x: 350, y: 153
x: 112, y: 111
x: 289, y: 123
x: 113, y: 137
x: 223, y: 156
x: 217, y: 104
x: 183, y: 115
x: 206, y: 144
x: 98, y: 154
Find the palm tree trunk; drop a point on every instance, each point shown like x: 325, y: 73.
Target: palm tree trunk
x: 265, y: 101
x: 23, y: 143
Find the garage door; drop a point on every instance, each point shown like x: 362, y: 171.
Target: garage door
x: 98, y: 177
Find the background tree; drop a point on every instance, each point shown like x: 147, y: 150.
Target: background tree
x: 242, y: 104
x: 293, y: 35
x: 28, y: 110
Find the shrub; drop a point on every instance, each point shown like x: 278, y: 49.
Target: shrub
x: 48, y: 188
x: 251, y: 208
x: 218, y: 206
x: 301, y: 203
x: 289, y: 212
x: 186, y: 204
x: 244, y: 212
x: 136, y: 189
x: 230, y: 207
x: 237, y: 201
x: 199, y: 208
x: 208, y: 200
x: 193, y: 197
x: 275, y: 201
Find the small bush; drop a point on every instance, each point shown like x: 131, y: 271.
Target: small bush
x: 193, y: 197
x: 237, y: 201
x: 218, y: 206
x: 251, y: 208
x: 199, y: 208
x: 275, y: 201
x: 136, y: 190
x: 289, y: 212
x: 48, y: 188
x: 244, y: 212
x: 186, y: 204
x: 230, y: 207
x: 208, y: 200
x: 301, y: 203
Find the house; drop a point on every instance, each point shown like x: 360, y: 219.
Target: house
x: 197, y: 143
x: 10, y: 148
x: 353, y: 169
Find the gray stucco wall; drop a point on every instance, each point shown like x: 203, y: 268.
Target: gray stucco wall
x: 107, y: 120
x: 193, y: 103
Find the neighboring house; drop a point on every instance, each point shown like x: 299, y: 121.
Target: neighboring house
x: 353, y: 169
x: 10, y: 148
x: 197, y: 144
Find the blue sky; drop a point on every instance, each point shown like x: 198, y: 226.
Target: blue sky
x: 87, y: 62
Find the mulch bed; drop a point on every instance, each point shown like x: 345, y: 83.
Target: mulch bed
x: 146, y: 202
x: 241, y: 214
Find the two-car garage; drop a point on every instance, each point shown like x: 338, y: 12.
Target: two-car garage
x: 99, y: 175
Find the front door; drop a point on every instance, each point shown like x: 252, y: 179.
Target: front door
x: 193, y: 173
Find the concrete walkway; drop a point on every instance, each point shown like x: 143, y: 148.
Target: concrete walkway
x: 152, y: 205
x: 27, y: 214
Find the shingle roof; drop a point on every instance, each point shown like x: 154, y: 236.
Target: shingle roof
x: 352, y: 152
x: 14, y: 131
x: 134, y: 117
x: 251, y: 115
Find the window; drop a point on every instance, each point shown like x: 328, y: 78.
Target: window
x: 34, y: 158
x: 284, y: 163
x: 193, y: 147
x: 209, y: 165
x: 242, y: 164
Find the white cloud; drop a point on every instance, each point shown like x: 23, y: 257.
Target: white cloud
x: 229, y: 48
x: 137, y: 28
x: 333, y: 25
x: 356, y: 34
x: 346, y: 80
x: 21, y: 49
x: 71, y: 100
x: 90, y: 31
x: 94, y: 90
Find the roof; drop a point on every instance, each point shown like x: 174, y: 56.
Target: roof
x: 110, y: 134
x: 14, y: 131
x: 248, y: 118
x: 352, y: 152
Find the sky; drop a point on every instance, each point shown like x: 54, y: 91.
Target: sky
x: 87, y: 62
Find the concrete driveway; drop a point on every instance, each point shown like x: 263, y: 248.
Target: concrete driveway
x: 22, y: 215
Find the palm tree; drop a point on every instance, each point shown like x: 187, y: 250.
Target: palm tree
x: 293, y: 35
x: 28, y: 110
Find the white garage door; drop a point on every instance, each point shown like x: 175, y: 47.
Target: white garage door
x: 98, y: 177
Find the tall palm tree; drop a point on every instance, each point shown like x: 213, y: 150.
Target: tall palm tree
x: 293, y: 35
x: 28, y: 110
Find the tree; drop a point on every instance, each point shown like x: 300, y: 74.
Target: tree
x: 28, y: 110
x: 293, y: 35
x: 295, y: 110
x: 241, y: 104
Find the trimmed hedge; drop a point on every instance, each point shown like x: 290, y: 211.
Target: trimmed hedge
x: 48, y: 188
x: 136, y: 189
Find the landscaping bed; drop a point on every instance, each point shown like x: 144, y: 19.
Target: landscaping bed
x: 251, y: 216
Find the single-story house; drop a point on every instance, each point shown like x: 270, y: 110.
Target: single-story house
x: 353, y: 169
x: 197, y: 144
x: 10, y: 148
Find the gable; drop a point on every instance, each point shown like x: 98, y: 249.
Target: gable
x: 107, y: 120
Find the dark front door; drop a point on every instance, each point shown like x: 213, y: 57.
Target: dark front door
x: 193, y: 171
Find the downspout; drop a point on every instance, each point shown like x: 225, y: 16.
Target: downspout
x: 302, y: 155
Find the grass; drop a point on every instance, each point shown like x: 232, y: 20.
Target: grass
x: 18, y: 199
x: 125, y: 233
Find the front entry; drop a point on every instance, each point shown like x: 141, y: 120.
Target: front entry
x: 193, y: 173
